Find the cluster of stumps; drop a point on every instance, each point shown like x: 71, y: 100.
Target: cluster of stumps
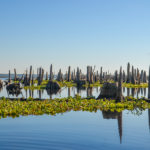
x: 112, y: 84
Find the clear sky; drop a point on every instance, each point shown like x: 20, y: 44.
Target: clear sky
x: 106, y: 33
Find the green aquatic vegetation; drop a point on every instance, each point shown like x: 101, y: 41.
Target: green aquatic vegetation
x: 129, y: 85
x: 67, y: 84
x: 16, y: 108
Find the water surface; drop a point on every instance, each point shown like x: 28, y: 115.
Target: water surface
x: 77, y: 130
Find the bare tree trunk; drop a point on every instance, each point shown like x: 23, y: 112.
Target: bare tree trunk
x: 128, y: 73
x: 46, y: 76
x: 30, y: 75
x: 15, y: 78
x: 101, y: 75
x: 133, y: 76
x: 138, y: 76
x: 69, y: 74
x: 51, y: 73
x: 119, y: 92
x: 9, y: 78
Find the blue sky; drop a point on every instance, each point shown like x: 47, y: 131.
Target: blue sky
x: 106, y: 33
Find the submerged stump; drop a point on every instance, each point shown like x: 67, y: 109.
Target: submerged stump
x: 14, y: 89
x: 51, y: 85
x: 109, y: 90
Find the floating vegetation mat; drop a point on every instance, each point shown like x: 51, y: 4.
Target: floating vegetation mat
x: 16, y: 108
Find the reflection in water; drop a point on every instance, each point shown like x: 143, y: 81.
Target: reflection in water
x: 141, y: 91
x: 133, y: 92
x: 71, y: 91
x: 123, y: 89
x: 89, y: 91
x: 138, y: 92
x: 144, y: 92
x: 80, y: 89
x: 118, y: 116
x: 114, y: 115
x: 50, y: 92
x: 149, y: 118
x: 128, y: 91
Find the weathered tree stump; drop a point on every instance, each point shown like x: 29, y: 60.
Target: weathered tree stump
x: 53, y: 85
x: 128, y: 73
x: 109, y: 90
x: 14, y: 89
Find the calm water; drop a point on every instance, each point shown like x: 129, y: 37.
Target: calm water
x: 77, y: 130
x: 72, y: 91
x: 66, y: 92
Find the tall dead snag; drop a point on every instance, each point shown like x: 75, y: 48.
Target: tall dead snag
x: 30, y: 75
x: 101, y: 75
x: 91, y: 76
x: 144, y: 77
x: 59, y: 76
x: 96, y: 77
x: 149, y: 84
x: 46, y: 76
x: 22, y: 78
x: 116, y: 76
x: 124, y: 76
x: 78, y: 76
x: 88, y: 73
x: 138, y: 76
x: 72, y: 76
x: 128, y: 73
x: 39, y: 76
x: 15, y: 75
x: 9, y: 78
x: 119, y: 90
x: 69, y: 74
x: 26, y: 78
x: 66, y: 76
x: 133, y: 76
x: 42, y: 76
x: 141, y: 77
x: 32, y: 80
x: 51, y: 73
